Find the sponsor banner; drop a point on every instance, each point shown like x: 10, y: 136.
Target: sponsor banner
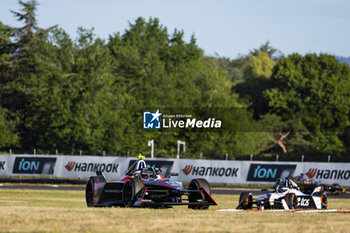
x: 270, y: 172
x: 3, y: 165
x: 212, y: 170
x: 216, y: 171
x: 263, y: 172
x: 328, y: 173
x: 86, y: 166
x: 34, y: 165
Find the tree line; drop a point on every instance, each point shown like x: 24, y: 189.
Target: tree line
x: 89, y: 94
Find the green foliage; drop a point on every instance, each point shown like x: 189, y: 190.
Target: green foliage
x: 159, y: 70
x: 269, y: 50
x: 317, y: 86
x: 8, y: 135
x: 260, y: 66
x: 257, y: 72
x: 316, y: 89
x: 4, y: 44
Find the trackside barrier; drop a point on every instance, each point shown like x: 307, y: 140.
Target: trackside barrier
x: 217, y: 171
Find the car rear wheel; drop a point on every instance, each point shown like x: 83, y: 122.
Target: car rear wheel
x: 198, y: 185
x: 291, y: 200
x: 131, y: 190
x: 89, y: 192
x: 246, y: 200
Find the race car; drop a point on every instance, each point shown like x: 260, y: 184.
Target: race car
x: 287, y: 196
x: 308, y: 185
x: 144, y: 186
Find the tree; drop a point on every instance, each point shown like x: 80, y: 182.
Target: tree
x: 259, y: 66
x: 4, y: 44
x: 315, y: 88
x: 268, y: 49
x: 24, y: 75
x: 257, y: 73
x: 159, y: 70
x: 9, y: 136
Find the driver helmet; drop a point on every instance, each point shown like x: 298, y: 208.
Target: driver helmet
x: 141, y: 164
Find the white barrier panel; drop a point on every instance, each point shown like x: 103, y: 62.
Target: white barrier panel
x: 3, y: 165
x: 74, y: 166
x: 86, y: 166
x: 328, y: 173
x: 112, y: 167
x: 226, y: 171
x: 262, y: 172
x: 219, y: 171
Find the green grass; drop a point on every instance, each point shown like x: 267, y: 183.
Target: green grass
x: 65, y: 211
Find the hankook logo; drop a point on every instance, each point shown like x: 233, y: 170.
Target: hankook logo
x: 328, y: 174
x: 210, y: 171
x: 70, y: 165
x: 73, y: 166
x: 311, y: 173
x: 187, y: 170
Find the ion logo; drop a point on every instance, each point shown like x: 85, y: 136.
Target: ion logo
x: 269, y: 172
x: 70, y: 165
x: 34, y: 165
x: 265, y: 173
x: 151, y: 120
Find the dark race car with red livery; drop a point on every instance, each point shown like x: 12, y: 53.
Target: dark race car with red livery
x: 144, y: 186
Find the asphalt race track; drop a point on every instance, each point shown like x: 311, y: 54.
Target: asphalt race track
x: 80, y: 188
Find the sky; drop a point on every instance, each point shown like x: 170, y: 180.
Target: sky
x: 226, y: 28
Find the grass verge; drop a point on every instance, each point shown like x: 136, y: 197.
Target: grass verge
x: 65, y: 211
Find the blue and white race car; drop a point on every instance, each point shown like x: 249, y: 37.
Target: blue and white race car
x: 287, y: 196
